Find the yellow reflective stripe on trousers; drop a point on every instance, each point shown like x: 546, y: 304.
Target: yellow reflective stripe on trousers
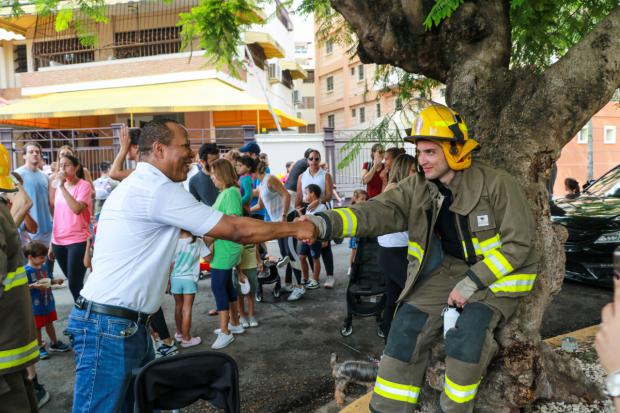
x: 19, y: 356
x: 15, y: 279
x: 459, y: 393
x: 497, y: 264
x: 396, y: 391
x: 349, y: 222
x: 465, y: 249
x: 516, y: 283
x: 416, y: 250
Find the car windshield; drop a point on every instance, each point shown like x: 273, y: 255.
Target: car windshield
x: 608, y: 186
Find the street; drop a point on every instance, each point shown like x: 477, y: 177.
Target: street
x: 284, y: 362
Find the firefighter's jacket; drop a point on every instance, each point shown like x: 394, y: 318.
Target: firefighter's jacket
x: 493, y: 219
x: 18, y: 342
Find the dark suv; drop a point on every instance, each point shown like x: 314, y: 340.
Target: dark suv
x: 593, y: 223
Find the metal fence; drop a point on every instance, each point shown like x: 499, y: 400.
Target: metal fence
x: 349, y: 178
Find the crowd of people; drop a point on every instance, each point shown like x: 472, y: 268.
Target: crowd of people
x: 451, y: 233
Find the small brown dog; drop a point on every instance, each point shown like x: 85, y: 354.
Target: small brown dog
x: 352, y: 371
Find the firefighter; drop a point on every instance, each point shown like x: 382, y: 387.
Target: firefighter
x: 18, y: 343
x: 471, y: 246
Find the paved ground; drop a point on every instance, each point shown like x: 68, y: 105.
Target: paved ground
x: 284, y: 363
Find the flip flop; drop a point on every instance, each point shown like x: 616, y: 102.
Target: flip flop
x: 212, y: 312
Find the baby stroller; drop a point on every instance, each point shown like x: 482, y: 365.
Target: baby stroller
x: 269, y: 276
x: 366, y: 289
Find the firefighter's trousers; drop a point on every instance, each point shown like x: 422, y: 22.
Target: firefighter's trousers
x: 418, y: 324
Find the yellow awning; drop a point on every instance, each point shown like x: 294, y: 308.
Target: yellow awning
x: 270, y: 46
x: 209, y: 95
x: 297, y: 72
x: 17, y: 25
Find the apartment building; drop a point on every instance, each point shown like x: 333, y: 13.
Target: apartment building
x: 573, y: 161
x: 137, y: 71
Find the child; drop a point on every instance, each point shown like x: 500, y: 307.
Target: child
x: 183, y: 284
x: 43, y: 307
x: 313, y: 193
x: 359, y: 196
x: 246, y: 272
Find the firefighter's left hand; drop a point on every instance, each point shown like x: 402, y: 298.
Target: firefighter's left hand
x: 455, y: 299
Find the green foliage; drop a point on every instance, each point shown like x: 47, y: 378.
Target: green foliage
x: 219, y: 24
x: 441, y: 10
x: 63, y: 19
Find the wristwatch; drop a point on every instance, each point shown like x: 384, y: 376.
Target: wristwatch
x: 612, y: 384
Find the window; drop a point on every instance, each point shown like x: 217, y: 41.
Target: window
x: 582, y: 136
x: 148, y: 42
x: 331, y: 121
x: 360, y: 72
x: 329, y: 47
x: 378, y: 110
x: 307, y: 102
x: 609, y: 135
x: 353, y: 112
x: 310, y: 78
x: 362, y: 115
x: 296, y: 99
x: 311, y: 128
x: 352, y: 71
x: 330, y: 83
x: 301, y: 49
x: 21, y: 62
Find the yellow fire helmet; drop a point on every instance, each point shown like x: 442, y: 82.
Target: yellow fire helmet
x: 6, y: 180
x: 440, y: 124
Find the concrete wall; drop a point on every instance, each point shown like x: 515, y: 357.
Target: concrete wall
x: 285, y: 147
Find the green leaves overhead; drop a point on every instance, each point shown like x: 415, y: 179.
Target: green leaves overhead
x: 440, y: 11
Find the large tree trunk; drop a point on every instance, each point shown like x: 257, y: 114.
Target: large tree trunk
x: 522, y: 119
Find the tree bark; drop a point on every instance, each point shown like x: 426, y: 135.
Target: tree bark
x: 522, y: 119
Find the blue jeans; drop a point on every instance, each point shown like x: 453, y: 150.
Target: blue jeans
x: 107, y: 351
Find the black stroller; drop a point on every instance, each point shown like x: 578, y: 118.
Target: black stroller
x: 269, y: 276
x: 366, y: 289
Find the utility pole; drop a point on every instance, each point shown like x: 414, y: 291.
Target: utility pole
x: 590, y: 152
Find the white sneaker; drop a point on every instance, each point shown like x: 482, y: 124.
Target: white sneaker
x: 253, y: 322
x: 287, y: 288
x: 244, y: 322
x: 233, y: 329
x: 312, y: 285
x: 222, y: 340
x: 283, y: 261
x: 329, y: 283
x: 297, y: 293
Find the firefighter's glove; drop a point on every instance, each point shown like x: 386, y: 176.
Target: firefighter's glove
x: 319, y: 223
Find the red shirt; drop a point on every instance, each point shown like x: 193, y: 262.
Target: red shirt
x: 375, y: 185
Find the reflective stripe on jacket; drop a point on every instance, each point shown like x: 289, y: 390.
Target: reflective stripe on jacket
x: 498, y: 241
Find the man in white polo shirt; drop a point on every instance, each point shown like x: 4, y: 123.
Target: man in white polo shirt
x: 136, y: 237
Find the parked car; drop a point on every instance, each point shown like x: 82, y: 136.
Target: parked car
x: 593, y: 223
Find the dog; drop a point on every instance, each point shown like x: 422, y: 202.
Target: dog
x: 352, y: 371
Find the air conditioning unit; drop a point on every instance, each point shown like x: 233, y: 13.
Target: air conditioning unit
x: 275, y: 72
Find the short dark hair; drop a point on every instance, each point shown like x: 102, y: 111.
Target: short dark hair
x: 155, y: 131
x: 207, y: 149
x: 104, y: 166
x: 134, y: 136
x: 32, y: 143
x: 249, y: 162
x: 308, y: 152
x: 35, y: 249
x: 315, y: 189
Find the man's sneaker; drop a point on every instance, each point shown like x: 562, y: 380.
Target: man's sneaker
x: 297, y: 293
x: 283, y: 261
x: 304, y: 282
x: 329, y: 282
x: 287, y: 288
x: 253, y: 322
x: 244, y: 322
x: 233, y: 329
x: 43, y: 395
x: 193, y: 341
x: 164, y: 350
x: 222, y: 340
x: 178, y: 336
x: 43, y: 354
x: 312, y: 285
x: 59, y: 346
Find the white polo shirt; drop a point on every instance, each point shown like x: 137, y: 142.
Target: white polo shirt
x: 136, y: 238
